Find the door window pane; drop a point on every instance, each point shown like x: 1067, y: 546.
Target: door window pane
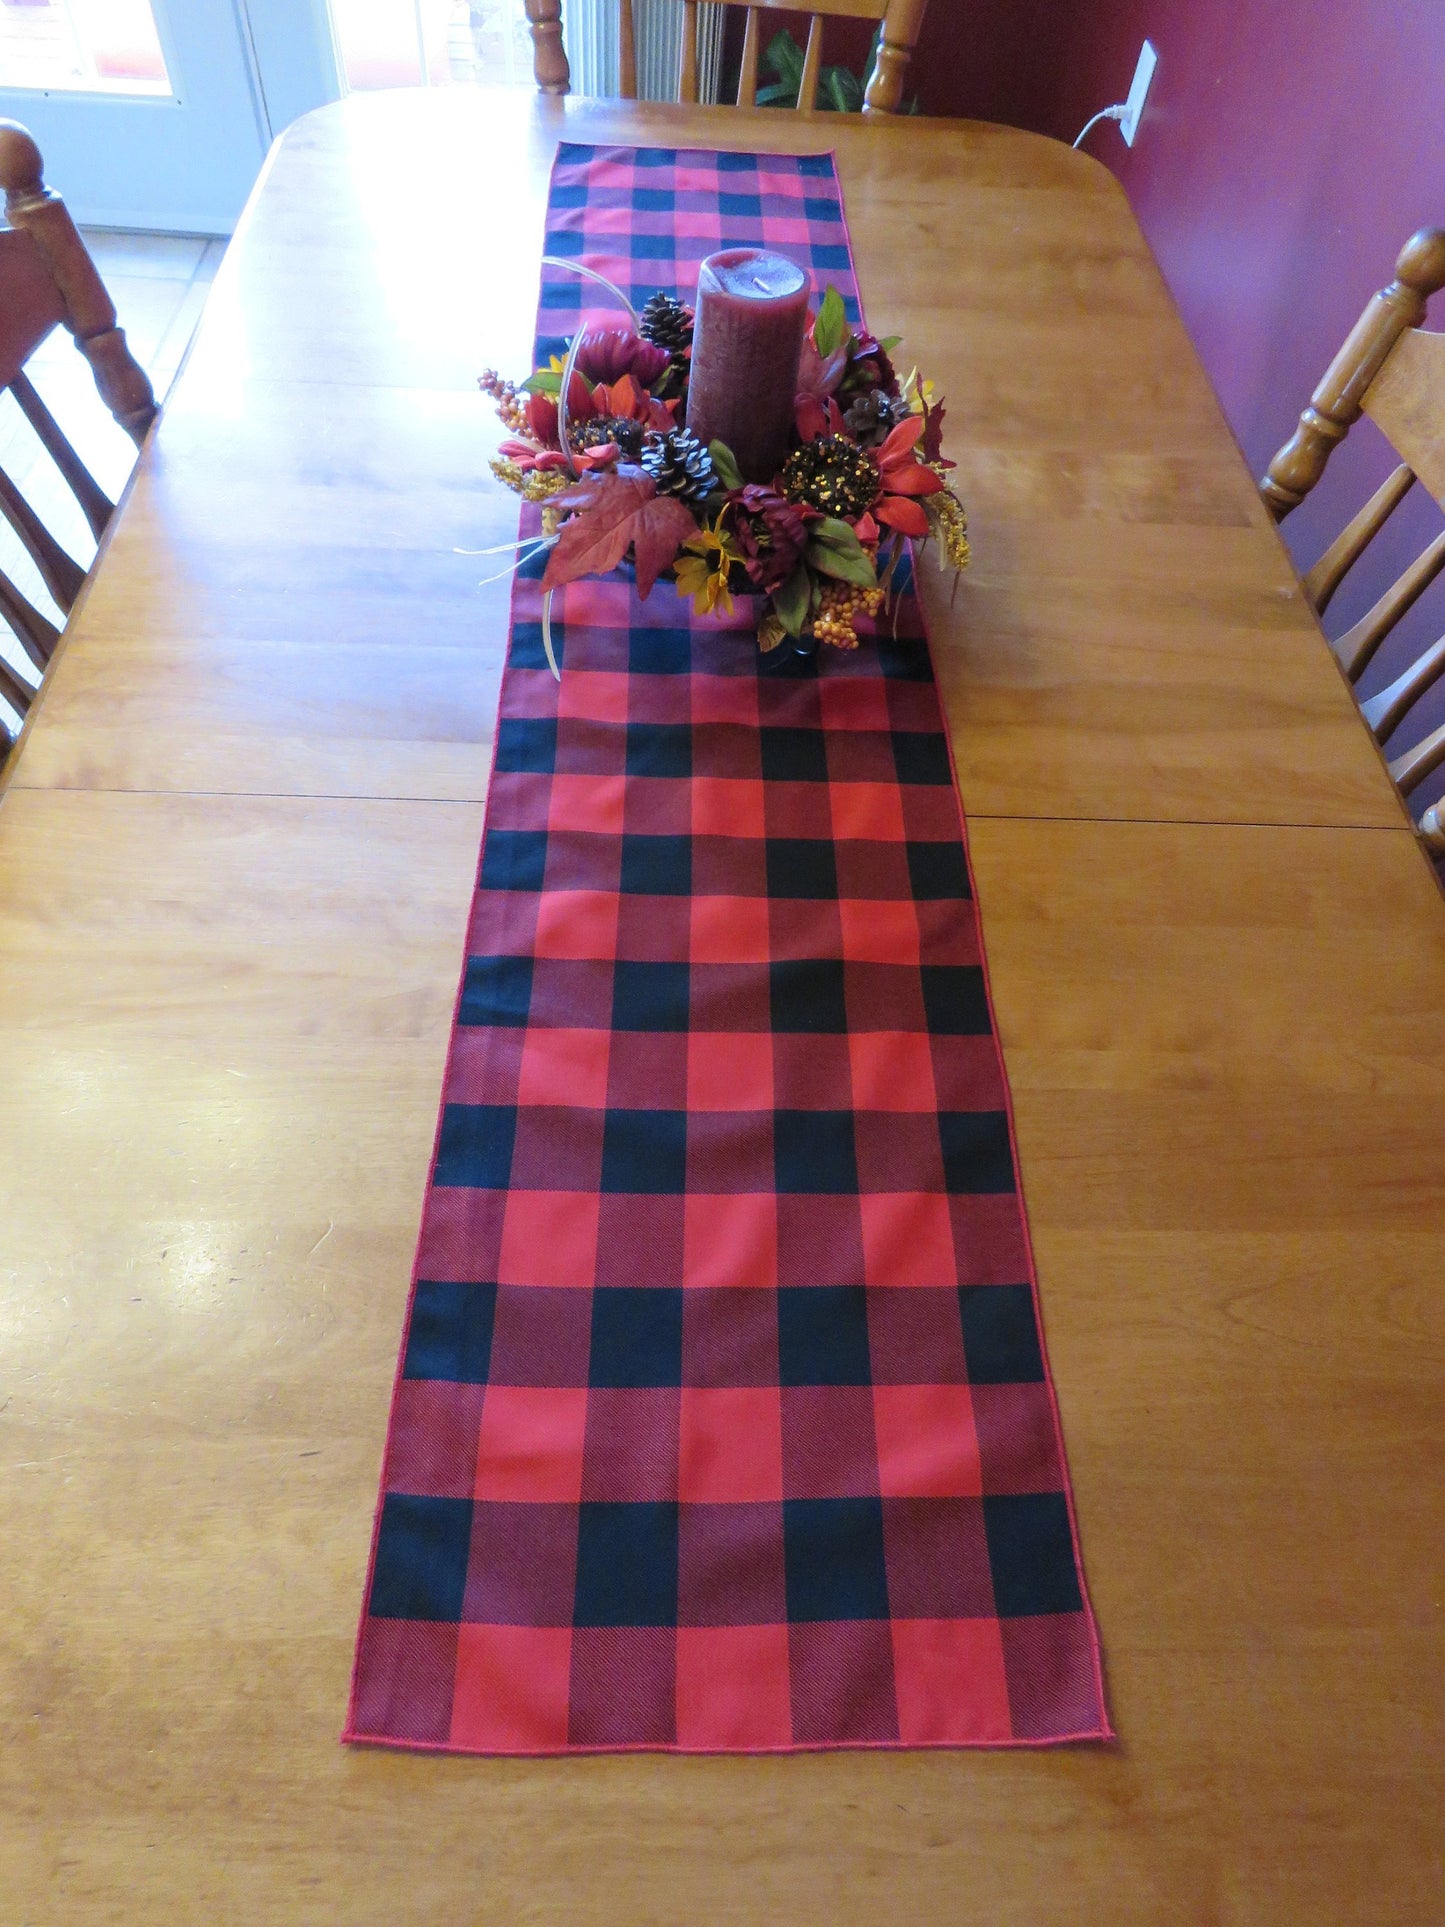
x: 434, y: 43
x: 82, y: 47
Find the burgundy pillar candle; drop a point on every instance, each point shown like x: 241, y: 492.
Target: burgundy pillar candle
x: 752, y: 308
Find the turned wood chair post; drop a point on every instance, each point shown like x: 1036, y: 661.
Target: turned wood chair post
x: 901, y: 27
x: 89, y: 312
x: 549, y: 55
x: 1336, y: 404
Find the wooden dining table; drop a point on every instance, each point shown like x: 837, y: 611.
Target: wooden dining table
x: 236, y: 849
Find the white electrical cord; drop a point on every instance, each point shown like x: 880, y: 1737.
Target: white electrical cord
x: 1105, y: 113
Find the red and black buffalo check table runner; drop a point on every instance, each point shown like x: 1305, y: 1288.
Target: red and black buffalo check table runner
x: 722, y: 1419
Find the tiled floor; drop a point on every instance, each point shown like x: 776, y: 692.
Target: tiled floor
x: 159, y: 284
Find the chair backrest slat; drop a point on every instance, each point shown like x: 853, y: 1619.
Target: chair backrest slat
x: 37, y: 634
x: 59, y: 571
x: 752, y: 50
x: 1356, y: 648
x: 812, y: 67
x: 95, y: 504
x: 1355, y: 537
x: 1386, y: 711
x: 1411, y: 769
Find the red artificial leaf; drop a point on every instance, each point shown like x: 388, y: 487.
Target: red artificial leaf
x: 901, y: 513
x: 866, y: 530
x: 817, y: 376
x: 912, y: 478
x: 594, y: 541
x: 659, y: 529
x: 901, y: 442
x: 932, y: 439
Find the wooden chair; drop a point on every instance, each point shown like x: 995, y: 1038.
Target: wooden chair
x: 901, y: 21
x: 47, y: 280
x: 1393, y: 370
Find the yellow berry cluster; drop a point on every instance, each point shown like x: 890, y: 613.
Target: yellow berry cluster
x: 533, y: 485
x: 952, y: 525
x: 843, y: 603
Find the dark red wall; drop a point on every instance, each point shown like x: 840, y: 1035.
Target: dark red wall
x: 1288, y: 149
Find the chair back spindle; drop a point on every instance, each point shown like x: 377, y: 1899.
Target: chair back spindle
x: 1392, y: 369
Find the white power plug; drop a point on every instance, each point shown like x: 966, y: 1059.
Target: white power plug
x: 1127, y: 112
x: 1138, y: 93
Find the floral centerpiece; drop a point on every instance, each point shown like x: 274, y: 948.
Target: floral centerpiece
x: 599, y: 439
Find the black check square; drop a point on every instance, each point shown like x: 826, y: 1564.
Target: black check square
x: 938, y: 871
x: 814, y: 1153
x: 645, y: 1152
x: 659, y: 749
x: 1000, y: 1335
x: 496, y: 991
x: 475, y: 1146
x: 955, y: 1000
x: 794, y: 755
x: 450, y: 1333
x: 823, y: 1335
x: 834, y: 1560
x: 514, y: 860
x: 921, y: 756
x: 807, y: 994
x: 626, y: 1564
x: 977, y: 1156
x: 1031, y: 1554
x: 801, y: 867
x: 657, y: 866
x: 422, y: 1548
x: 527, y: 743
x: 649, y: 996
x: 636, y: 1336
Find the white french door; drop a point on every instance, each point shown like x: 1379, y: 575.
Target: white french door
x: 146, y: 111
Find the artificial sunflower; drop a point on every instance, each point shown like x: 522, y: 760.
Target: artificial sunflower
x: 703, y: 566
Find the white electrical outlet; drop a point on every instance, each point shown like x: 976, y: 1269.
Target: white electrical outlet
x: 1138, y: 93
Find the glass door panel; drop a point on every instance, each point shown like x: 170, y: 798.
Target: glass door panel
x: 82, y: 47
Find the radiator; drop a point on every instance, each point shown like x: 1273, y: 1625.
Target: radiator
x: 591, y: 34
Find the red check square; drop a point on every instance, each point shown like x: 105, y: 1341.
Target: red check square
x: 908, y: 1238
x: 730, y: 1071
x: 927, y: 1446
x: 871, y: 811
x: 564, y: 1067
x: 587, y: 803
x: 732, y: 1688
x: 549, y: 1238
x: 892, y: 1070
x: 594, y: 696
x: 727, y: 806
x: 730, y: 1446
x: 511, y: 1688
x: 577, y: 924
x: 730, y: 1239
x: 950, y: 1682
x: 730, y: 930
x: 882, y: 931
x: 530, y: 1444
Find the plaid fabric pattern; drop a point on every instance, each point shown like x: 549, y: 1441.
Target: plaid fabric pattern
x: 723, y: 1421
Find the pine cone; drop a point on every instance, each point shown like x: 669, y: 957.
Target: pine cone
x: 610, y: 428
x: 680, y: 465
x: 872, y: 415
x: 831, y: 474
x: 668, y: 323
